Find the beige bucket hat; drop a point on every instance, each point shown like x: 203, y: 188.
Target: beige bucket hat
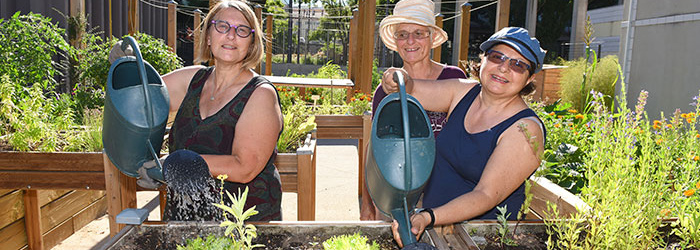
x: 421, y: 12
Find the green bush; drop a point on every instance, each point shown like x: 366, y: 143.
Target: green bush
x: 28, y: 46
x: 95, y: 66
x: 603, y: 80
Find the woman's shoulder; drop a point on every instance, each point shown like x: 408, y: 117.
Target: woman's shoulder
x: 449, y: 71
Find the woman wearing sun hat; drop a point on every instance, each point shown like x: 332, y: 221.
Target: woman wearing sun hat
x: 492, y: 141
x: 411, y: 31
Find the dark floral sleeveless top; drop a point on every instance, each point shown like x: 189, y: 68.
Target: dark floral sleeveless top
x: 214, y: 135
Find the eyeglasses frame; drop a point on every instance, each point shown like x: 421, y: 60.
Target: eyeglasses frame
x: 511, y: 61
x: 235, y: 28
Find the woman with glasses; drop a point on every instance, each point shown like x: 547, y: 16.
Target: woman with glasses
x: 411, y: 31
x: 492, y: 141
x: 228, y: 118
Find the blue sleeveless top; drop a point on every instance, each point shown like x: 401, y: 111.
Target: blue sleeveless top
x: 461, y: 157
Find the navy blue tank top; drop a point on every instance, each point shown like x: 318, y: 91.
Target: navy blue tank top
x: 461, y: 158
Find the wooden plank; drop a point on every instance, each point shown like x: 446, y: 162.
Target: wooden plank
x: 47, y: 196
x: 466, y: 239
x: 286, y: 163
x: 306, y: 186
x: 309, y: 82
x: 39, y: 161
x: 338, y: 120
x: 68, y: 227
x: 52, y: 180
x: 62, y: 209
x: 11, y: 208
x: 289, y: 183
x: 4, y: 192
x: 502, y: 14
x: 13, y: 236
x: 172, y: 26
x: 32, y: 220
x: 544, y: 190
x: 114, y: 205
x: 437, y: 240
x: 339, y: 133
x: 464, y: 37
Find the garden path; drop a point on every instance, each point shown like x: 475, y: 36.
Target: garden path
x: 336, y: 195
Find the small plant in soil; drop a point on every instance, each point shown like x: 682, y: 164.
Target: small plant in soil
x: 355, y: 241
x: 241, y: 235
x: 502, y: 218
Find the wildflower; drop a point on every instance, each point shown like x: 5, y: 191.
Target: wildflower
x: 579, y: 116
x: 352, y: 99
x: 665, y: 212
x: 659, y: 141
x: 697, y: 185
x: 696, y: 158
x: 669, y: 126
x: 557, y: 125
x: 573, y: 111
x: 697, y: 136
x: 551, y: 114
x: 689, y: 192
x: 657, y: 122
x: 679, y: 159
x: 222, y: 177
x: 690, y: 119
x: 657, y: 127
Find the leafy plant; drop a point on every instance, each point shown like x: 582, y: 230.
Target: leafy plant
x: 503, y: 231
x: 297, y: 123
x: 579, y: 79
x: 355, y: 241
x: 28, y: 45
x: 211, y: 242
x: 241, y: 234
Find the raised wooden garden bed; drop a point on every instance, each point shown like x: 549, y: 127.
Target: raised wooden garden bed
x: 46, y: 197
x: 274, y: 235
x: 348, y: 127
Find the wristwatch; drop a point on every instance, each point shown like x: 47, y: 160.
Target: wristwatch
x: 432, y: 216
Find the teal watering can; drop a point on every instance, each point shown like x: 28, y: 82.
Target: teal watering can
x: 400, y: 157
x: 135, y: 114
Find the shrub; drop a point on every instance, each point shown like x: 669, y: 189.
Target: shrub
x: 28, y: 46
x: 603, y: 80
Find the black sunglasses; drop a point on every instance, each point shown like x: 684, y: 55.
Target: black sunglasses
x: 517, y: 65
x: 224, y: 27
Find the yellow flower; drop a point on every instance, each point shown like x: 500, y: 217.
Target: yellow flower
x: 657, y: 122
x: 679, y: 159
x: 696, y: 158
x: 669, y: 126
x: 573, y: 111
x: 579, y: 116
x: 551, y: 113
x: 690, y: 120
x: 684, y: 115
x: 659, y: 141
x: 697, y: 185
x: 657, y: 127
x: 697, y: 135
x: 689, y: 192
x: 557, y: 125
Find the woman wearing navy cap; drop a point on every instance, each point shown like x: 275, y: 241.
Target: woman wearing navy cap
x: 492, y: 141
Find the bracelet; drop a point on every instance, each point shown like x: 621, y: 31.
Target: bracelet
x: 432, y: 217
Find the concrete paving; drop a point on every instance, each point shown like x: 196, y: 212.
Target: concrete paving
x: 336, y: 195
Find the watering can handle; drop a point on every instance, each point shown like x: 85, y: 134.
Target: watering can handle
x: 128, y: 40
x: 405, y: 232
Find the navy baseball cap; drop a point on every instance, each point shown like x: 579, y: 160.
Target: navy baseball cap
x: 520, y: 40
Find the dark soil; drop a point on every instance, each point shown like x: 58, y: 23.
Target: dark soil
x: 272, y: 236
x: 522, y: 241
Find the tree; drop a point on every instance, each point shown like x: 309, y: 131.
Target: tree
x: 335, y: 24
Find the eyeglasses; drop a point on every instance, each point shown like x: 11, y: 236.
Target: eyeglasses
x: 417, y: 34
x: 223, y: 27
x: 519, y: 66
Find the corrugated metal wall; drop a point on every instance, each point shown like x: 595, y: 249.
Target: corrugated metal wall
x: 153, y: 17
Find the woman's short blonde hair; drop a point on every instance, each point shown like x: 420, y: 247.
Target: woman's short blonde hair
x: 255, y: 51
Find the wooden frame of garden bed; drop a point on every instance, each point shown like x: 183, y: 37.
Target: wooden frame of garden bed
x: 348, y: 127
x: 28, y: 173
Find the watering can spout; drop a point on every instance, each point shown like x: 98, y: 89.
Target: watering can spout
x: 400, y: 157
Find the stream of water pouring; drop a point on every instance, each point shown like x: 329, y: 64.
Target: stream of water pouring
x: 191, y: 189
